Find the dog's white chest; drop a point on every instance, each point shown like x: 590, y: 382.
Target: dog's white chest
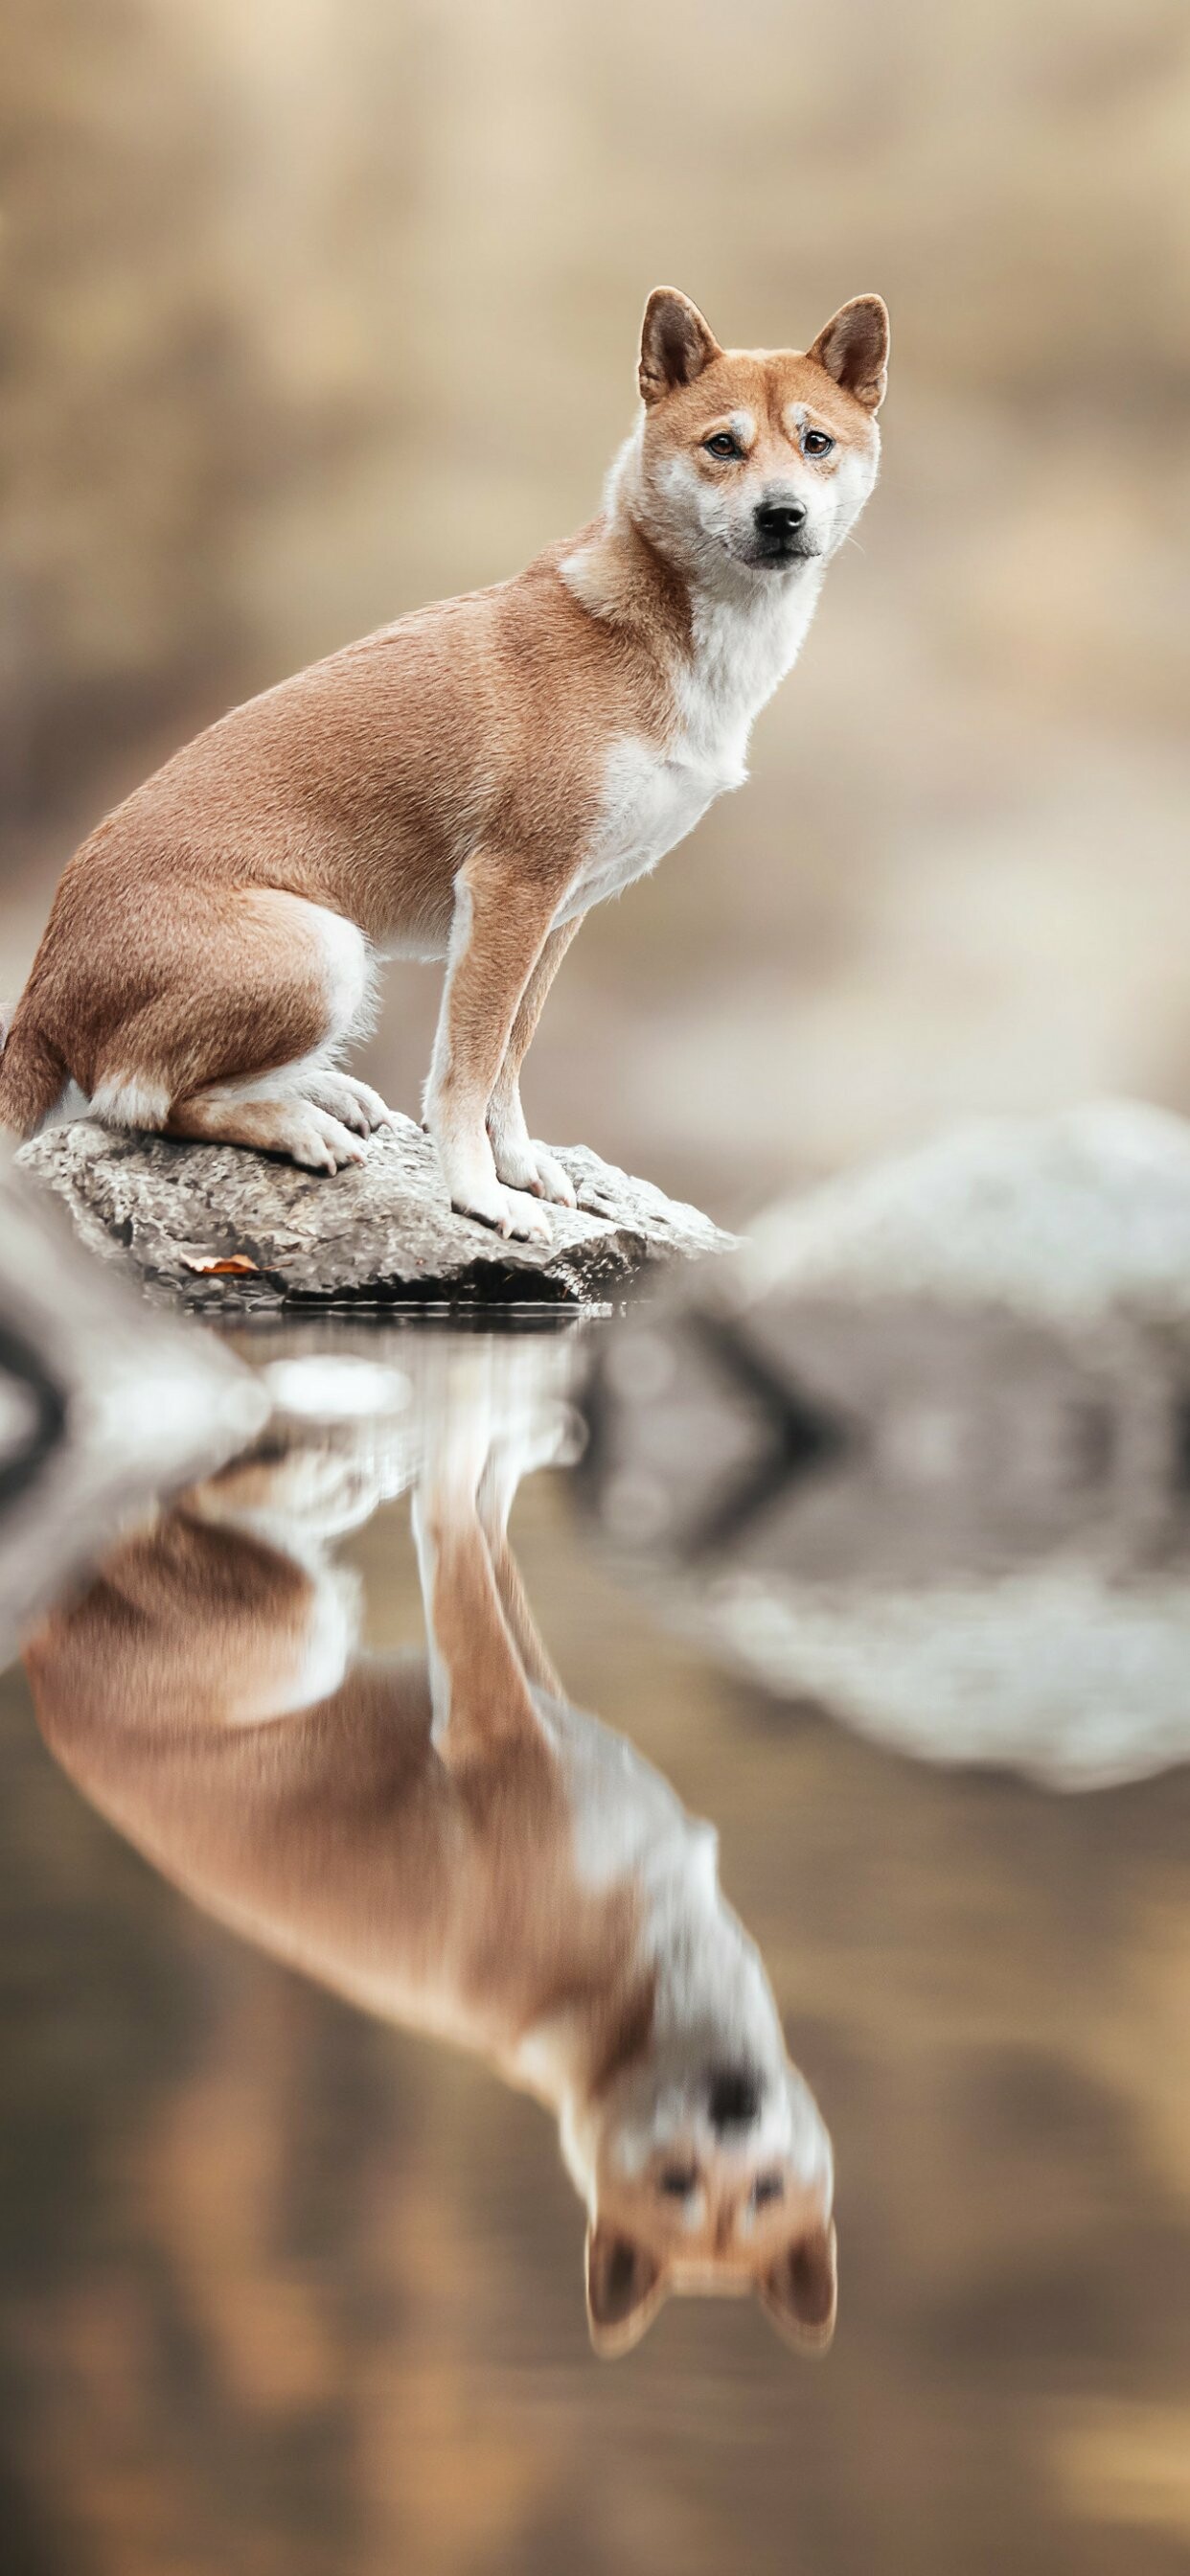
x: 653, y: 794
x: 651, y: 799
x: 626, y: 1819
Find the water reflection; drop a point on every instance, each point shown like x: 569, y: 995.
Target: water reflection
x: 964, y: 1530
x: 444, y: 1838
x: 288, y: 2287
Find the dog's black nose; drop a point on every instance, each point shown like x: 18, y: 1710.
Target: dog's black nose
x: 734, y: 2098
x: 778, y: 521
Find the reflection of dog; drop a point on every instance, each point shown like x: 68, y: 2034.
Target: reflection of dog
x: 476, y: 1858
x: 463, y: 785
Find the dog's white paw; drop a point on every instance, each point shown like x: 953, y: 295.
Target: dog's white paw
x: 320, y: 1142
x: 511, y: 1213
x: 553, y: 1182
x: 323, y: 1489
x: 375, y: 1110
x: 523, y: 1165
x: 515, y: 1161
x: 353, y: 1103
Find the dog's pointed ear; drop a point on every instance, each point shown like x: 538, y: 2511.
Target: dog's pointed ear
x: 675, y: 344
x: 853, y: 348
x: 625, y: 2288
x: 801, y: 2292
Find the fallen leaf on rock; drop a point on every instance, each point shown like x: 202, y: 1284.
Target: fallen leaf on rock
x: 234, y: 1262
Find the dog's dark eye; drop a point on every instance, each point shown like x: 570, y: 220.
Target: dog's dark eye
x: 767, y: 2187
x: 678, y: 2180
x: 816, y: 443
x: 722, y: 444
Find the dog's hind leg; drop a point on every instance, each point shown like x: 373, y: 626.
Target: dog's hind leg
x: 271, y: 1114
x: 234, y: 1045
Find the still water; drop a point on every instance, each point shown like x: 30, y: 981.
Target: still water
x: 460, y: 2039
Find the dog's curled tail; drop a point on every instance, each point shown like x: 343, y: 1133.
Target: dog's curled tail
x: 33, y: 1076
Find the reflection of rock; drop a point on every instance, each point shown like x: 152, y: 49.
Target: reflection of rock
x: 922, y: 1451
x: 100, y: 1404
x: 383, y: 1230
x: 1052, y: 1673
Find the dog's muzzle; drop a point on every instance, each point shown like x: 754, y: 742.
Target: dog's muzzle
x: 778, y: 528
x: 733, y: 2098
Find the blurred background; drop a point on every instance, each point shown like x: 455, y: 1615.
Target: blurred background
x: 321, y: 308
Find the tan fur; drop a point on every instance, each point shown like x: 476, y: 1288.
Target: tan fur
x: 412, y: 1836
x: 340, y: 1835
x: 440, y: 786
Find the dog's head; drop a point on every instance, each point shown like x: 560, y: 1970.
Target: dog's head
x: 709, y: 2172
x: 753, y: 463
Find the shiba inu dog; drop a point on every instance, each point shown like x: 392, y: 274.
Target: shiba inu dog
x: 455, y: 1847
x: 463, y: 785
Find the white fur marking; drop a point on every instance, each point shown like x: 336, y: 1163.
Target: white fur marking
x: 126, y: 1100
x: 653, y: 796
x: 748, y: 628
x: 347, y: 970
x: 284, y: 1082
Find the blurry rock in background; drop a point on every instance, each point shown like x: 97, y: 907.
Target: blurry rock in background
x: 922, y: 1452
x: 101, y: 1405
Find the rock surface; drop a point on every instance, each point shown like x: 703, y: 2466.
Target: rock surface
x: 382, y: 1231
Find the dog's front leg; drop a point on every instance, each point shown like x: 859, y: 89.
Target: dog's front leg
x: 482, y: 1704
x: 501, y: 920
x: 526, y: 1165
x: 526, y: 1443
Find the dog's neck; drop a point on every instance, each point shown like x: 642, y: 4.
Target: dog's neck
x: 695, y: 1971
x: 726, y: 635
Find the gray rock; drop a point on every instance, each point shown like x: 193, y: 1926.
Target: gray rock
x: 382, y: 1231
x: 1065, y: 1219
